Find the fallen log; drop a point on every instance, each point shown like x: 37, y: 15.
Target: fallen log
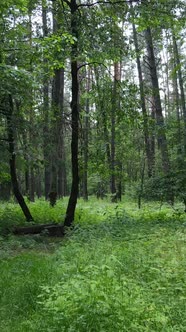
x: 48, y: 229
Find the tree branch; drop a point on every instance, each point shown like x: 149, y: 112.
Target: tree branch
x: 91, y: 63
x: 106, y: 2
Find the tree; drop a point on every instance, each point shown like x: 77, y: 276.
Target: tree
x: 75, y: 115
x: 46, y: 148
x: 12, y: 160
x: 149, y: 155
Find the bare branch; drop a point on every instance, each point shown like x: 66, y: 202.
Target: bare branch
x: 106, y: 2
x: 91, y: 63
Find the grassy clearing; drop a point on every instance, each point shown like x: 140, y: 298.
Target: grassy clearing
x: 119, y: 270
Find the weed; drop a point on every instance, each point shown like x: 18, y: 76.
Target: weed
x: 119, y: 269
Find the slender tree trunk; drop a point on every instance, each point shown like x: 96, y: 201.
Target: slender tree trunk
x: 86, y: 140
x: 26, y: 181
x: 31, y: 132
x: 25, y: 143
x: 161, y: 135
x: 61, y: 143
x: 113, y: 131
x: 152, y: 135
x: 177, y: 106
x: 119, y: 185
x: 75, y: 118
x: 38, y: 183
x: 58, y: 153
x: 32, y: 184
x: 61, y: 165
x: 141, y: 184
x: 58, y: 159
x: 12, y: 162
x: 46, y: 147
x: 102, y: 108
x: 55, y: 130
x: 143, y: 106
x: 180, y: 78
x: 5, y: 191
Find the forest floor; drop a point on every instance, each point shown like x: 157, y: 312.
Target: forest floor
x: 120, y: 269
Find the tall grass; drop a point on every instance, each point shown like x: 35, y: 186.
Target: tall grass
x: 118, y: 270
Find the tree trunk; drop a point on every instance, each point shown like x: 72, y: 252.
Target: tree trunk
x: 161, y: 135
x: 61, y: 143
x: 25, y: 144
x: 113, y: 131
x: 38, y: 183
x: 58, y: 155
x: 56, y: 230
x: 12, y: 162
x: 152, y: 135
x: 5, y: 191
x: 180, y: 78
x: 103, y: 118
x: 177, y: 107
x: 150, y: 164
x: 75, y: 118
x: 32, y: 184
x: 86, y: 140
x: 31, y: 131
x: 46, y: 147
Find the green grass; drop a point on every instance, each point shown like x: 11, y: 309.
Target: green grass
x: 120, y: 270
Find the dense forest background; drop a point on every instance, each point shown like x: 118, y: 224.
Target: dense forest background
x: 92, y: 136
x: 92, y: 100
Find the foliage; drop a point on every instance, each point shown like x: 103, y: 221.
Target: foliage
x: 20, y: 280
x: 161, y: 188
x: 125, y: 284
x: 11, y: 214
x: 119, y: 269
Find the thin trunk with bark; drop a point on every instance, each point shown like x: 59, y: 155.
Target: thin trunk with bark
x: 113, y: 131
x: 161, y: 134
x: 61, y: 144
x: 85, y: 141
x: 177, y: 106
x: 75, y: 118
x: 46, y: 147
x: 31, y: 132
x: 58, y: 156
x: 102, y: 111
x: 12, y: 162
x: 150, y: 163
x: 180, y: 78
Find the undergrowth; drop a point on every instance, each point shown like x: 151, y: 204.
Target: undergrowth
x: 119, y: 269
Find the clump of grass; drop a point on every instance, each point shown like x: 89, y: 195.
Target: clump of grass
x: 131, y: 282
x: 20, y: 280
x: 118, y: 270
x: 11, y: 214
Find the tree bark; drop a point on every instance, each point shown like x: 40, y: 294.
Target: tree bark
x: 86, y: 140
x: 103, y: 118
x: 61, y: 143
x: 47, y: 229
x: 58, y: 155
x: 31, y: 123
x: 46, y: 147
x: 75, y: 118
x: 177, y: 107
x: 180, y: 78
x: 12, y: 163
x: 113, y: 131
x: 143, y: 107
x: 161, y: 135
